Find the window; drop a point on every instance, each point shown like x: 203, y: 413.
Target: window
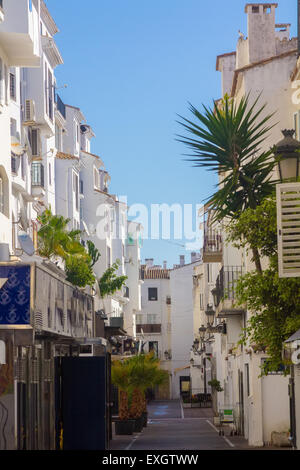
x: 6, y: 83
x: 12, y: 86
x: 34, y: 139
x: 201, y: 301
x: 46, y: 89
x: 255, y: 9
x: 247, y: 380
x: 152, y: 293
x: 76, y: 189
x: 96, y: 178
x: 58, y: 138
x: 50, y: 95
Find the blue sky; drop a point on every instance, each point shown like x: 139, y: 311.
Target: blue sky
x: 132, y: 66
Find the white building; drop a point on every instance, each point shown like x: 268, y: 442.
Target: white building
x: 262, y: 64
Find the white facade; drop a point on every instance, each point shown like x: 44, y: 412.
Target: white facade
x: 262, y: 64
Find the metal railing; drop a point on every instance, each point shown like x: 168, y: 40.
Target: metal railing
x: 60, y: 106
x: 37, y: 174
x: 226, y: 282
x: 212, y: 241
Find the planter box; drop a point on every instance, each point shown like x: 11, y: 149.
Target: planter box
x: 145, y: 419
x: 139, y: 424
x: 195, y: 405
x: 186, y: 405
x: 124, y: 427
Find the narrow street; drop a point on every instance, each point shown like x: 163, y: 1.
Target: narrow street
x: 170, y: 427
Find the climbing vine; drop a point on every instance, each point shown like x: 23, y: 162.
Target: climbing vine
x: 273, y: 301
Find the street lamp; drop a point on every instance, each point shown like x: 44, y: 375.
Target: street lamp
x: 287, y: 152
x: 202, y: 331
x: 210, y: 313
x: 216, y: 295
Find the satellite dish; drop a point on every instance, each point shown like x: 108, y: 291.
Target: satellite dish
x: 23, y: 214
x: 26, y: 243
x: 16, y: 147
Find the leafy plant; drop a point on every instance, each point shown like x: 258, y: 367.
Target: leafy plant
x: 227, y: 139
x: 79, y: 271
x: 274, y: 301
x: 109, y: 283
x: 215, y: 384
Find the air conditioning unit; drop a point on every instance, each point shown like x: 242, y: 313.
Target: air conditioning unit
x: 29, y: 111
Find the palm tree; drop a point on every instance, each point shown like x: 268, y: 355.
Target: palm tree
x: 144, y: 373
x: 120, y: 376
x: 228, y: 139
x: 55, y: 239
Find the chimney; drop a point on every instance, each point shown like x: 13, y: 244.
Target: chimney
x: 182, y: 261
x: 193, y: 257
x: 165, y: 265
x: 149, y: 262
x: 261, y: 31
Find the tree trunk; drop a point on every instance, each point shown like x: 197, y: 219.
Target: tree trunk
x: 256, y: 259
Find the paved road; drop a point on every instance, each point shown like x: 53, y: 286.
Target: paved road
x: 168, y: 429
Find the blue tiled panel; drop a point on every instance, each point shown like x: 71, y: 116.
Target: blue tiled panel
x: 15, y: 295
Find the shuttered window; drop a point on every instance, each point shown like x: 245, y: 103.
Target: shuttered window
x: 288, y: 229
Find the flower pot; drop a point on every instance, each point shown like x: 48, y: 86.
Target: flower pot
x: 145, y: 419
x: 124, y: 427
x: 139, y: 422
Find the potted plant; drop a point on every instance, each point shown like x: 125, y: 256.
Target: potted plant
x: 120, y: 376
x: 195, y: 402
x: 144, y: 373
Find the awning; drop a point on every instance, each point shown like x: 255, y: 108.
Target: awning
x: 294, y: 337
x: 179, y: 369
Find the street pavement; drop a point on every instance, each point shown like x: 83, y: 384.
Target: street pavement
x: 170, y: 427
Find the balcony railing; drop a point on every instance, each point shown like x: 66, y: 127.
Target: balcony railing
x: 37, y: 174
x: 60, y: 106
x: 226, y: 283
x: 212, y: 246
x: 116, y: 322
x: 148, y: 328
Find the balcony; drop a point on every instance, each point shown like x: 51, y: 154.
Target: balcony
x: 37, y: 179
x: 19, y: 33
x: 225, y: 292
x: 148, y: 328
x: 116, y: 322
x: 212, y: 246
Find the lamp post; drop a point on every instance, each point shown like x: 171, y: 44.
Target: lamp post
x: 288, y: 156
x: 210, y: 313
x: 287, y: 153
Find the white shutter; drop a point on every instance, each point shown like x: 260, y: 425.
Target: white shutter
x: 288, y: 229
